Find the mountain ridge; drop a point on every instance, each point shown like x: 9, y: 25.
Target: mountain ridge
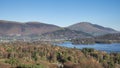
x: 90, y: 28
x: 39, y: 28
x: 12, y: 27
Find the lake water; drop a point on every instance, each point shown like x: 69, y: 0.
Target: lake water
x: 115, y: 47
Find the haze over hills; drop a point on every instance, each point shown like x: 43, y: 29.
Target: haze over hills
x: 49, y: 31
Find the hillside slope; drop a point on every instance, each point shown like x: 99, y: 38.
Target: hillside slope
x: 13, y: 28
x: 65, y: 33
x: 92, y: 29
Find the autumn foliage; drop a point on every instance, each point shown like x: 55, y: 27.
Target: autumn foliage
x: 45, y: 55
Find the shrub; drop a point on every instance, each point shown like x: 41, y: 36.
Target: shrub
x: 30, y: 66
x: 12, y: 61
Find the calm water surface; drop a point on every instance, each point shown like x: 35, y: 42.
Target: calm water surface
x: 115, y: 47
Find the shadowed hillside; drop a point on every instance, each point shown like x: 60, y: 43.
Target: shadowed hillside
x: 108, y: 38
x: 66, y: 34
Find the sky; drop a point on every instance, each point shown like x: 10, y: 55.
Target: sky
x: 63, y: 12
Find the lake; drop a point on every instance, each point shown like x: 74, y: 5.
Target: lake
x: 115, y: 47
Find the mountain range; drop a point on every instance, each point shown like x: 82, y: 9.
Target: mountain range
x: 79, y: 30
x: 12, y: 28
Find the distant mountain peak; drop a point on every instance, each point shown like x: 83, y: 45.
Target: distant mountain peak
x: 84, y: 23
x: 92, y: 29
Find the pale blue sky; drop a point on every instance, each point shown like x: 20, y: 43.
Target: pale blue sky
x: 62, y: 12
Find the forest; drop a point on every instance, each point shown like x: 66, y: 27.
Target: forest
x: 45, y: 55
